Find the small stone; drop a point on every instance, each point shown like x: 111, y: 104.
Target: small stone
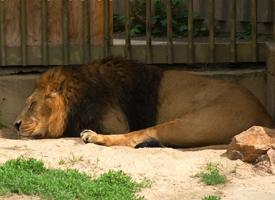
x: 271, y: 156
x: 251, y: 144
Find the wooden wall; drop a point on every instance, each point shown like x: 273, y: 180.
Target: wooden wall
x: 31, y: 29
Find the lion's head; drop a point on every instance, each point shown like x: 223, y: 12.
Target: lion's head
x: 44, y: 114
x: 67, y: 100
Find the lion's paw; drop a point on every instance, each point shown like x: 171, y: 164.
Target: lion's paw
x: 89, y: 136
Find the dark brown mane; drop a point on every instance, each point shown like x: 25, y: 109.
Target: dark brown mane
x: 90, y: 90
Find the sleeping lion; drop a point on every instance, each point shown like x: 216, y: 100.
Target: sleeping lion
x: 121, y: 102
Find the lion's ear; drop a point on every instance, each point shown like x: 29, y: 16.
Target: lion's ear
x: 61, y: 87
x: 57, y: 90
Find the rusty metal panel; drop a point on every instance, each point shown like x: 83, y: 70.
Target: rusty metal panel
x: 190, y: 32
x: 2, y: 35
x: 211, y: 27
x: 148, y: 31
x: 170, y: 52
x: 128, y: 53
x: 254, y: 30
x: 232, y: 13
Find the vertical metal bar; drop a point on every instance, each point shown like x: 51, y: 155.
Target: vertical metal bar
x: 2, y: 34
x: 170, y: 54
x: 106, y: 28
x: 148, y: 32
x: 232, y: 18
x: 127, y: 30
x: 44, y: 32
x: 86, y: 32
x: 65, y: 31
x: 254, y: 30
x: 274, y: 20
x: 211, y: 27
x: 23, y: 30
x: 190, y: 32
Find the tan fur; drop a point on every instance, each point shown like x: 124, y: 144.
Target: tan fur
x: 115, y: 122
x: 45, y: 112
x: 194, y: 111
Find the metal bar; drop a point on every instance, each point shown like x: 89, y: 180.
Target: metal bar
x: 211, y: 27
x: 86, y: 32
x: 190, y: 32
x: 65, y: 31
x: 23, y: 30
x: 273, y: 19
x: 170, y: 53
x: 148, y: 32
x: 106, y: 28
x: 127, y: 30
x: 254, y: 30
x: 2, y: 34
x: 44, y: 32
x: 232, y: 18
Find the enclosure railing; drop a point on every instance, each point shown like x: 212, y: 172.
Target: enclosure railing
x: 193, y: 52
x: 75, y: 32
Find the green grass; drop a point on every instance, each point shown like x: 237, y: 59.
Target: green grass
x: 30, y: 177
x: 211, y: 197
x: 211, y: 175
x: 72, y: 160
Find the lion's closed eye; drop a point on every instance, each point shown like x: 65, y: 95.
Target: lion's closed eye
x: 32, y: 105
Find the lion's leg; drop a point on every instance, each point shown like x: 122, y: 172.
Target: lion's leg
x: 153, y: 136
x: 132, y: 139
x: 211, y: 125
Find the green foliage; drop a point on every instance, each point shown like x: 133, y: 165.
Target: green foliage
x: 30, y: 177
x: 211, y: 175
x: 246, y: 33
x: 159, y: 20
x: 118, y: 23
x: 211, y: 197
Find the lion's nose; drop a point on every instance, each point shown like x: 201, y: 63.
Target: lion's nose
x: 17, y: 124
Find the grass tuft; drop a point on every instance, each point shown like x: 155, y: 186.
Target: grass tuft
x: 211, y: 197
x: 30, y: 177
x: 211, y: 175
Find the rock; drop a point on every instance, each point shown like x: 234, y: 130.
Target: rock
x: 271, y: 156
x: 251, y: 144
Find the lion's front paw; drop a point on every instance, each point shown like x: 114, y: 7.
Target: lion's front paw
x: 89, y: 136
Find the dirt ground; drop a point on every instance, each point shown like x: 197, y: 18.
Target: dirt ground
x: 170, y: 170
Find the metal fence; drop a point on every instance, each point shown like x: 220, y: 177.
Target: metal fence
x: 54, y: 32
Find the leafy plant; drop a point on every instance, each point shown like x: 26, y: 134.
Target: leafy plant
x: 119, y: 21
x: 159, y: 20
x: 246, y: 33
x: 30, y: 177
x: 211, y: 197
x: 211, y: 175
x: 72, y: 160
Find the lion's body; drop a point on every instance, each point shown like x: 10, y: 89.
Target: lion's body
x: 132, y: 104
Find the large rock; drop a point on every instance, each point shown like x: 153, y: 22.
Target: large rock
x: 251, y: 144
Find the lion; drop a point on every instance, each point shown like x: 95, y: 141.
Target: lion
x: 119, y: 102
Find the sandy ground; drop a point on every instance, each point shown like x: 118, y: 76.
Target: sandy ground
x: 170, y: 170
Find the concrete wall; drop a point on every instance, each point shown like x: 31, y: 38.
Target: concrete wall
x: 15, y: 88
